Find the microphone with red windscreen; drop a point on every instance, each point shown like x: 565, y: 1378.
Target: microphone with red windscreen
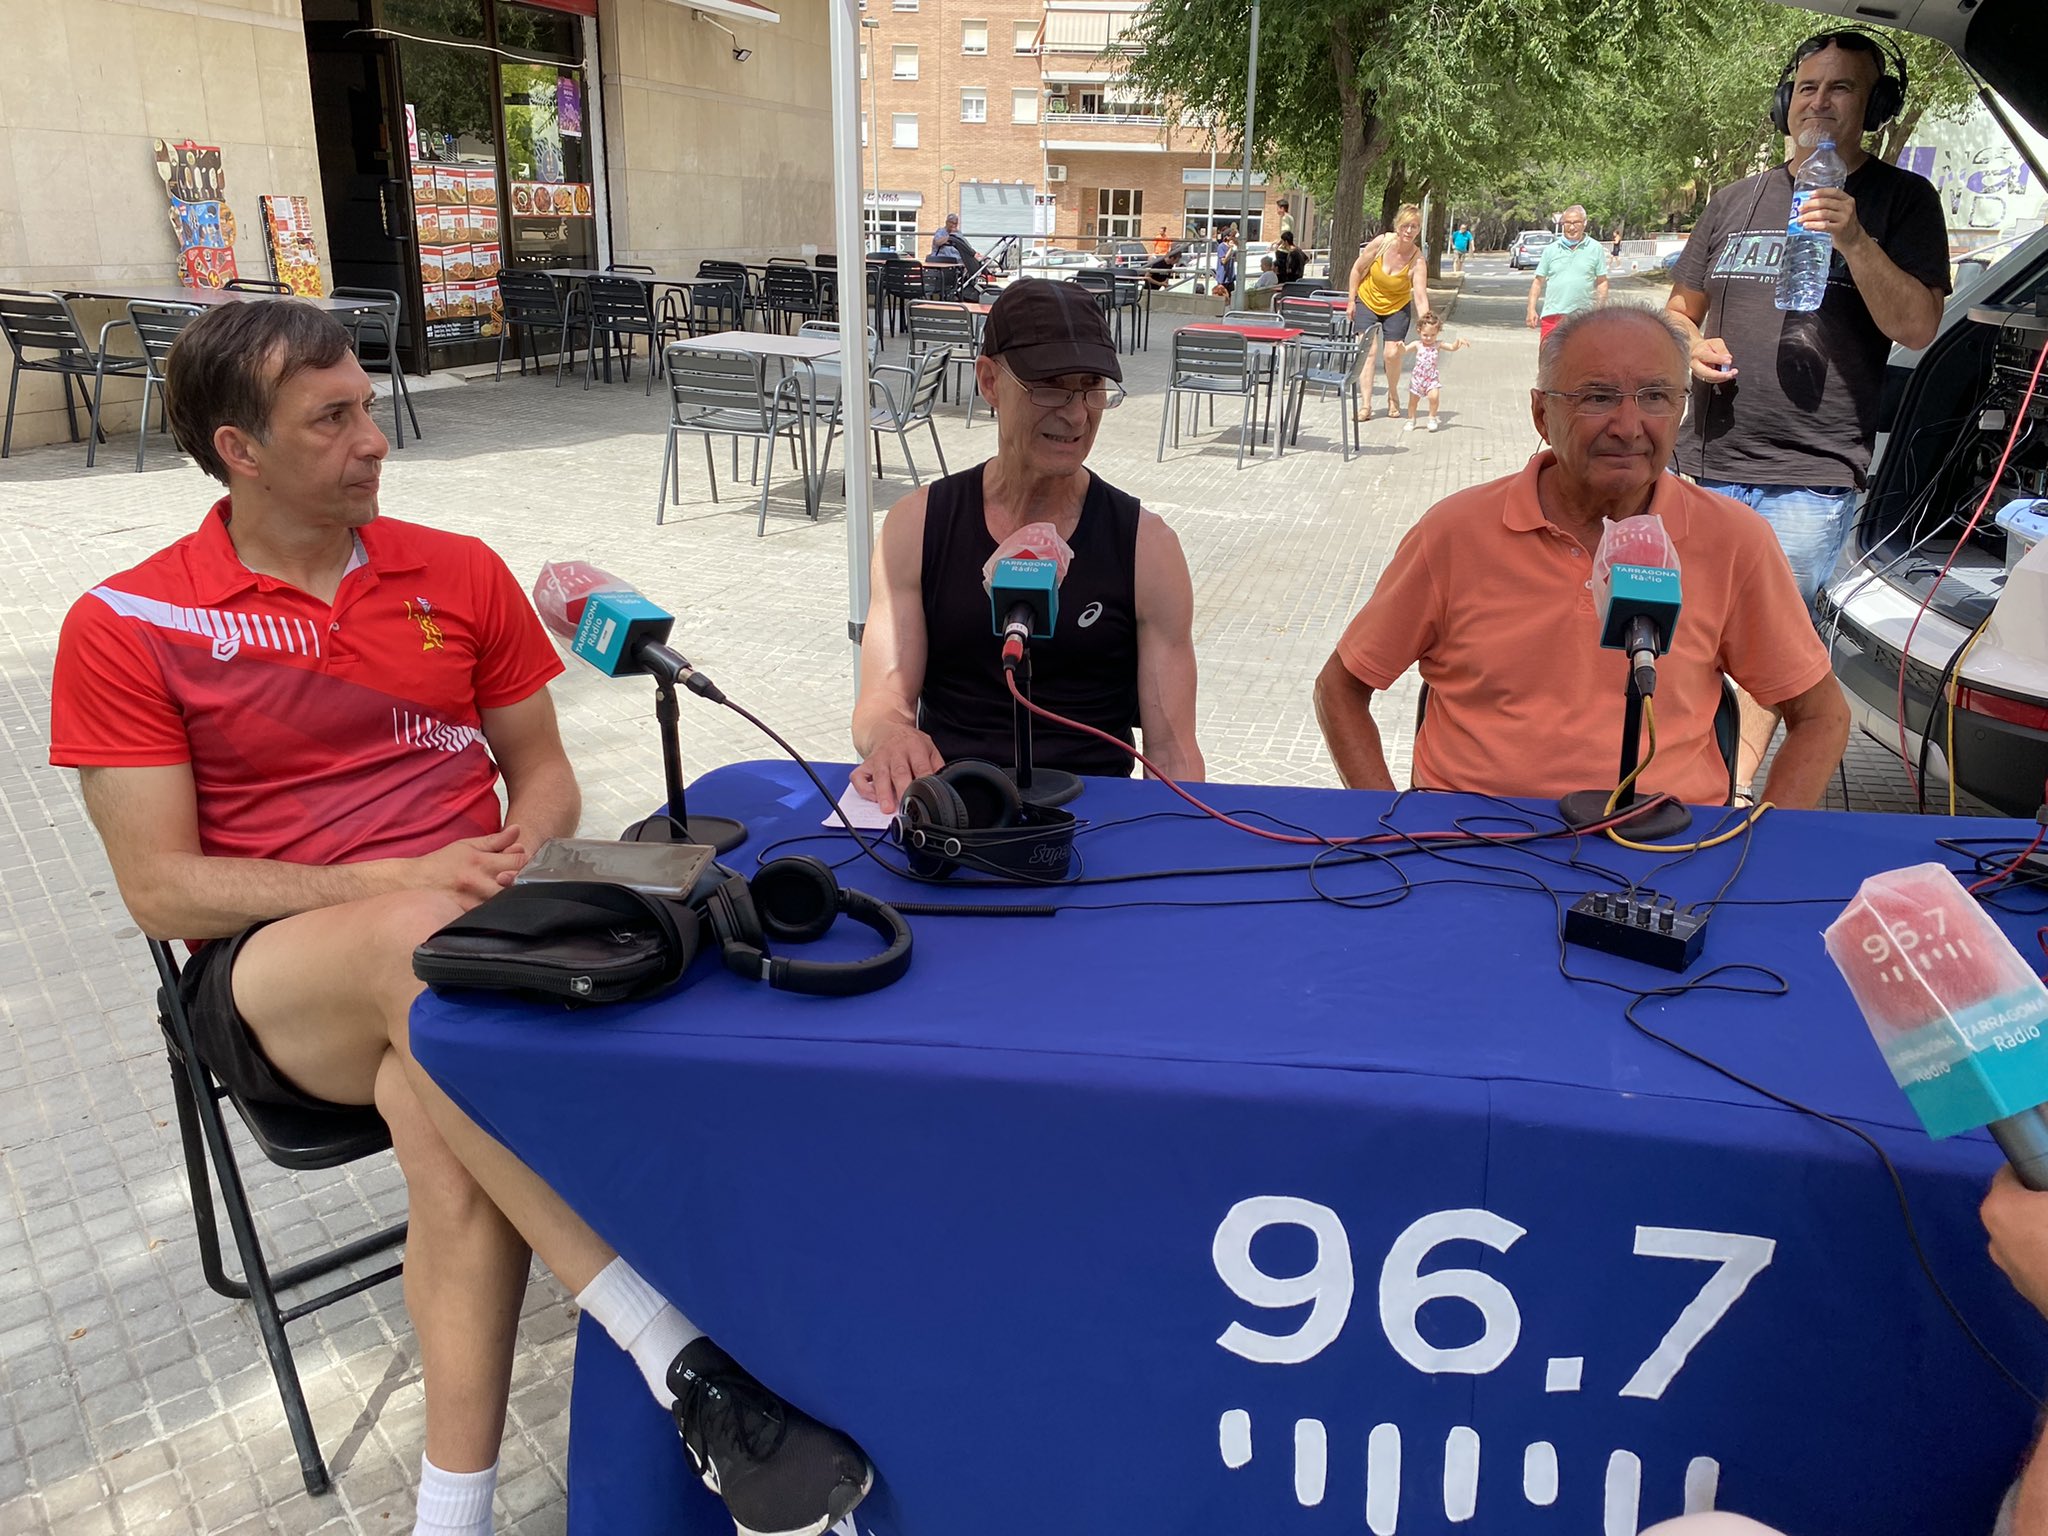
x: 1956, y: 1011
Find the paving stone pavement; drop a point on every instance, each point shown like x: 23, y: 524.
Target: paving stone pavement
x: 133, y: 1399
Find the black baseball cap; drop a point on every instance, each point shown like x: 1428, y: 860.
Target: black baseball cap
x: 1041, y: 329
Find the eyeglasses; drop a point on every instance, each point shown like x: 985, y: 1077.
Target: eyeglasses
x: 1652, y: 400
x: 1049, y: 397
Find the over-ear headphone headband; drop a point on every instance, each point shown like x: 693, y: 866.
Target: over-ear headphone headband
x: 1887, y: 96
x: 794, y: 900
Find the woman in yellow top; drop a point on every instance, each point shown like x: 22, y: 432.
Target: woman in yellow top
x: 1388, y: 288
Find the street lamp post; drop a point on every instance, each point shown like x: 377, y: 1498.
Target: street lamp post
x: 946, y: 182
x: 869, y: 24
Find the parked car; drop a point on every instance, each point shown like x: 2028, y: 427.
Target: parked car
x: 1056, y: 261
x: 1527, y: 248
x: 1122, y: 253
x: 1896, y: 626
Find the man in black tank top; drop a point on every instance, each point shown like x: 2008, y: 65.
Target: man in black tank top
x: 1122, y: 655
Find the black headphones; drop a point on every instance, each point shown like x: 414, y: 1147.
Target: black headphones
x: 1886, y: 97
x: 794, y: 901
x: 969, y: 815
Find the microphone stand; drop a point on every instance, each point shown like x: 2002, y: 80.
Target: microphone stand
x: 675, y: 824
x: 1583, y: 807
x: 1035, y: 786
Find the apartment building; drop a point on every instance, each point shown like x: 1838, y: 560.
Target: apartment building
x: 1008, y: 113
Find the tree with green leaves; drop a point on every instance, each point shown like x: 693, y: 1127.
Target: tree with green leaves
x: 1467, y: 100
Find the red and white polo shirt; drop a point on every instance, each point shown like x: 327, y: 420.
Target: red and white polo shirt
x: 318, y: 733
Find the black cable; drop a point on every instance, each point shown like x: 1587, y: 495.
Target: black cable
x: 1891, y: 1171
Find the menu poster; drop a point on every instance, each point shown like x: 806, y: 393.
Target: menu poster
x: 569, y: 106
x: 200, y: 218
x: 288, y: 234
x: 544, y: 200
x: 455, y: 214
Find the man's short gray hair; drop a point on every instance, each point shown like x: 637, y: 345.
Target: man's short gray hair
x: 1578, y: 208
x: 1611, y: 314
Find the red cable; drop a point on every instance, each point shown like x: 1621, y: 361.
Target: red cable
x: 1620, y: 818
x: 2019, y: 419
x: 2007, y: 872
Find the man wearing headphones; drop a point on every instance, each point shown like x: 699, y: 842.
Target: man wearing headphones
x: 1122, y: 655
x: 1784, y: 407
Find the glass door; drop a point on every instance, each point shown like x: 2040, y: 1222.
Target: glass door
x: 451, y: 137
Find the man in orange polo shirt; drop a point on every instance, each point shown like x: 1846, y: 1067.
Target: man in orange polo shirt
x: 1490, y: 594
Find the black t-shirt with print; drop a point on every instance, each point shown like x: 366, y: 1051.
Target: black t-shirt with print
x: 1802, y: 408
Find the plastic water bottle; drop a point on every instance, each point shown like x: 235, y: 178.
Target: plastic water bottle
x: 1803, y: 268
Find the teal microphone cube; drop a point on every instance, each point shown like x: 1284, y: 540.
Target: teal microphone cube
x: 1637, y: 591
x: 614, y: 625
x: 1029, y: 582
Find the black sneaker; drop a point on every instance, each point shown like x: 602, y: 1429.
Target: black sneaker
x: 780, y: 1472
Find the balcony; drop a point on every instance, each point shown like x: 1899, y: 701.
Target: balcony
x: 1144, y: 119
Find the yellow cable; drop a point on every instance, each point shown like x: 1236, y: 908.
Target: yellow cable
x: 1955, y: 684
x: 1649, y: 757
x: 1650, y: 729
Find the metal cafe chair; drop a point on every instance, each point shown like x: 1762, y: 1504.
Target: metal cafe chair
x: 290, y: 1137
x: 618, y: 309
x: 1115, y: 297
x: 950, y: 330
x: 259, y: 285
x: 1265, y: 357
x: 1208, y: 364
x: 380, y: 322
x: 895, y: 413
x: 718, y: 298
x: 1324, y: 363
x: 790, y: 291
x: 157, y: 327
x: 826, y: 369
x: 46, y: 323
x: 904, y: 282
x: 532, y: 303
x: 714, y: 393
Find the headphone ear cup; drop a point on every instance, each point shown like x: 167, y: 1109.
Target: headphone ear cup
x: 988, y: 794
x: 930, y: 806
x: 1886, y: 97
x: 795, y: 899
x: 736, y: 927
x: 1781, y: 104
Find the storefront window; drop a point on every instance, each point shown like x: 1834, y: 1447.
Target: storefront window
x: 547, y: 159
x: 441, y: 18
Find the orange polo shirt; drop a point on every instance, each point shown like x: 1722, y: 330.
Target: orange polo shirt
x: 1495, y: 603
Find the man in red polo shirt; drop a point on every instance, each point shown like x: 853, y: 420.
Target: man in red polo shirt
x: 1490, y: 593
x: 289, y: 727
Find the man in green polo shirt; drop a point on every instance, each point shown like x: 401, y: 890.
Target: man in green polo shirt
x: 1571, y: 275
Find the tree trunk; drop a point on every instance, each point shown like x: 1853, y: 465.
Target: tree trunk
x: 1361, y: 141
x: 1395, y: 194
x: 1438, y: 234
x: 1897, y: 134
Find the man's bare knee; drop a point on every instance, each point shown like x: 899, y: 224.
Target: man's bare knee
x: 326, y: 993
x: 433, y: 1173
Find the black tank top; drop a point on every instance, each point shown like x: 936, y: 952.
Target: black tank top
x: 1087, y: 671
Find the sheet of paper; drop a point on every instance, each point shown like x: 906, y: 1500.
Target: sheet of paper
x: 860, y: 810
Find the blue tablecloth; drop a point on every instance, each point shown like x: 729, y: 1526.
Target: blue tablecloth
x: 1033, y: 1225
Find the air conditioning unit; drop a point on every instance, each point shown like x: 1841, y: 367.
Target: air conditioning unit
x: 1055, y: 173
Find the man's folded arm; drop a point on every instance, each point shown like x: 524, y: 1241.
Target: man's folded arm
x: 148, y: 819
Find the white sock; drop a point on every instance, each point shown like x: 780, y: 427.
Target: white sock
x: 455, y: 1503
x: 640, y: 1323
